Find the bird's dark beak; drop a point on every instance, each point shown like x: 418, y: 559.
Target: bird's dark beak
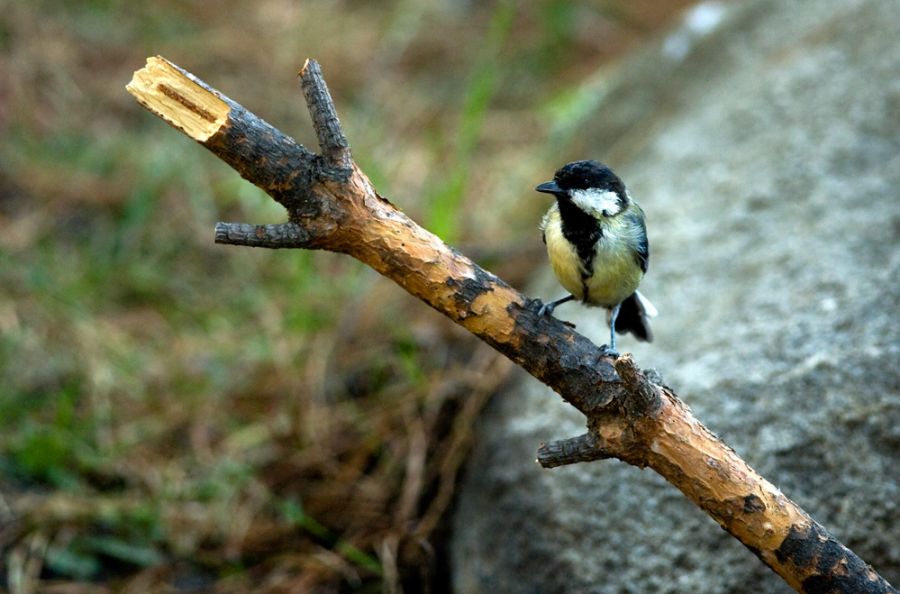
x: 549, y: 187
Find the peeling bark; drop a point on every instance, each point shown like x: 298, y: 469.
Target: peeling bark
x: 332, y: 205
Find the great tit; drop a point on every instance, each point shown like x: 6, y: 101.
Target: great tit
x: 597, y: 243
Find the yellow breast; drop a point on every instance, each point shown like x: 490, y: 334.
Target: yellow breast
x: 615, y: 275
x: 563, y: 258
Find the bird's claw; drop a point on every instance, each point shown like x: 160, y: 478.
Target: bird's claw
x: 541, y: 308
x: 607, y: 351
x: 547, y: 308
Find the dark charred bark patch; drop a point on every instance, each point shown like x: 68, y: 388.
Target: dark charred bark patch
x: 564, y: 359
x: 799, y: 546
x: 266, y: 157
x: 753, y: 504
x: 830, y: 566
x: 467, y: 290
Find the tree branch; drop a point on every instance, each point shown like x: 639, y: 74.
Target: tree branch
x: 332, y: 205
x: 583, y: 448
x: 332, y: 141
x: 285, y: 235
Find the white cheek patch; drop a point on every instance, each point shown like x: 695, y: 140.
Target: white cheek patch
x: 597, y: 202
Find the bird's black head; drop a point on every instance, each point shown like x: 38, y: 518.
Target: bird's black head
x: 583, y: 175
x: 591, y: 185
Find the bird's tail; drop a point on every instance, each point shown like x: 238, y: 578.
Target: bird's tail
x: 634, y: 316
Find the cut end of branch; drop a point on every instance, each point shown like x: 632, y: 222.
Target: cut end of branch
x: 302, y: 71
x: 583, y: 448
x: 170, y: 93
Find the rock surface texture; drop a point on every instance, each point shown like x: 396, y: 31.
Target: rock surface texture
x: 763, y: 141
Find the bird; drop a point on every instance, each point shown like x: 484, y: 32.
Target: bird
x: 596, y: 240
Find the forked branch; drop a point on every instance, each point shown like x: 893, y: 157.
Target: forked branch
x: 332, y: 205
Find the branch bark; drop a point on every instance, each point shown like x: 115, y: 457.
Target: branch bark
x: 332, y: 205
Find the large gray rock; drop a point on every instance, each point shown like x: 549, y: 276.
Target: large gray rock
x: 767, y: 156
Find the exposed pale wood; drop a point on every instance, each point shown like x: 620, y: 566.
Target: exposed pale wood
x: 169, y: 93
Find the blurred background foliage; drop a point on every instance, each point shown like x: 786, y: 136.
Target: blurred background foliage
x: 178, y: 416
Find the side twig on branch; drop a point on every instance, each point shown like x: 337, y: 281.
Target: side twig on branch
x: 332, y: 205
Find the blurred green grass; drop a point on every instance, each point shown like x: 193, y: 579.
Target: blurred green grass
x: 172, y: 411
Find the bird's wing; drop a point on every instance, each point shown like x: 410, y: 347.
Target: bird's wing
x: 642, y: 246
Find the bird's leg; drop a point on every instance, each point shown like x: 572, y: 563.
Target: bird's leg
x: 547, y: 308
x: 611, y: 348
